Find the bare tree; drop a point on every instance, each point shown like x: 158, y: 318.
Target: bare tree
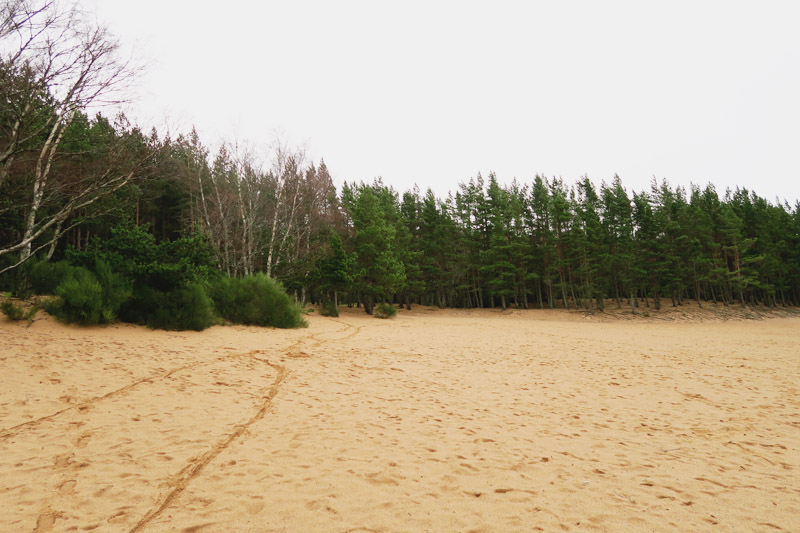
x: 287, y: 174
x: 260, y: 209
x: 55, y: 63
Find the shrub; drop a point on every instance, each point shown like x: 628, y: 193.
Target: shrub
x: 257, y: 300
x: 80, y: 298
x: 89, y: 298
x: 116, y: 289
x: 45, y: 276
x: 16, y: 313
x: 329, y: 309
x: 384, y: 310
x: 12, y: 310
x: 166, y: 266
x: 185, y: 308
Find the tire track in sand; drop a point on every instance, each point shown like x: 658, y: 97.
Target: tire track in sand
x: 85, y: 404
x: 293, y: 351
x: 182, y: 479
x: 191, y: 471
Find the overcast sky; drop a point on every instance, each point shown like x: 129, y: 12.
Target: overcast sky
x: 434, y: 92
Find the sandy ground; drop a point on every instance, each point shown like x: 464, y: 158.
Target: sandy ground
x: 433, y: 421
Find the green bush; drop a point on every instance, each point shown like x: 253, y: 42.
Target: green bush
x: 384, y: 310
x: 116, y: 289
x: 45, y: 276
x: 329, y: 309
x: 89, y: 298
x: 12, y: 310
x: 185, y: 308
x: 16, y: 313
x: 80, y: 298
x: 257, y: 300
x: 133, y: 252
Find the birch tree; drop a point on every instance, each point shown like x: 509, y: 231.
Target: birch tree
x: 55, y: 63
x: 286, y: 176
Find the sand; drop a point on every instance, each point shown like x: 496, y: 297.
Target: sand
x: 437, y: 420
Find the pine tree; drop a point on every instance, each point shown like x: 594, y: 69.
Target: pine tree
x: 588, y: 242
x: 497, y: 265
x: 334, y: 271
x: 618, y: 259
x: 379, y: 272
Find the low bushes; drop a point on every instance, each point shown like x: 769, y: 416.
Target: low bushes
x: 100, y: 296
x: 45, y: 276
x: 12, y: 311
x: 384, y: 310
x: 256, y: 300
x: 179, y: 309
x: 16, y: 313
x: 168, y: 285
x: 88, y: 297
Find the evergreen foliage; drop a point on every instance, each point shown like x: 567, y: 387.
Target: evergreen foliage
x: 334, y: 270
x: 12, y: 311
x: 379, y: 270
x: 255, y: 300
x: 45, y: 276
x: 183, y: 308
x: 385, y: 310
x: 87, y: 297
x: 79, y: 298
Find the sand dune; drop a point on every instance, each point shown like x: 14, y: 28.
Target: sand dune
x: 433, y: 421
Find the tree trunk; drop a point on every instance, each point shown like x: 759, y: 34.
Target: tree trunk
x: 43, y: 166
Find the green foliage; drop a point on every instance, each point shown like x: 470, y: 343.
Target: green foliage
x: 179, y: 309
x: 166, y: 279
x: 15, y: 312
x: 87, y: 297
x: 79, y: 299
x: 334, y: 269
x: 255, y: 300
x: 116, y: 289
x: 133, y: 252
x: 329, y: 309
x: 45, y: 276
x: 379, y: 271
x: 385, y: 310
x: 12, y: 310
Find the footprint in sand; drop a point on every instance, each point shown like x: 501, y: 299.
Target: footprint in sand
x: 67, y: 488
x: 45, y: 522
x: 83, y: 439
x: 62, y: 461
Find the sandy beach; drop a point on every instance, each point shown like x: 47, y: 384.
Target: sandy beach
x: 436, y: 420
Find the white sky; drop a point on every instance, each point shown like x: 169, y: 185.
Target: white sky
x: 434, y: 92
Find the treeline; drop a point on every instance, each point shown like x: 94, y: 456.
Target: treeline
x: 546, y: 244
x: 72, y: 184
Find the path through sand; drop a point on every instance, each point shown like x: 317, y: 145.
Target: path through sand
x: 433, y: 421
